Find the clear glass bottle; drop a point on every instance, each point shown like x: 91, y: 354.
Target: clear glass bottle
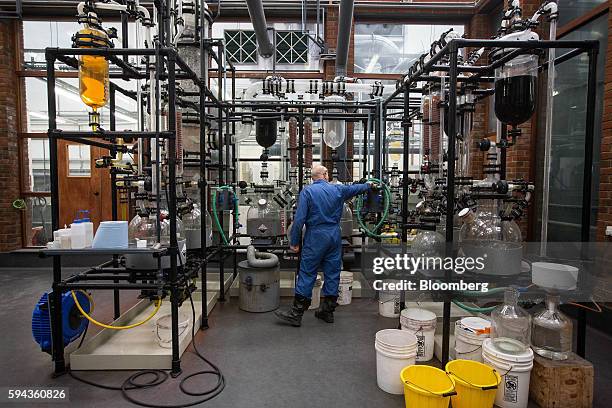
x: 264, y: 219
x: 551, y: 332
x: 511, y: 325
x: 346, y: 222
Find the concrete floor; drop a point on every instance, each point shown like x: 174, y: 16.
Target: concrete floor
x: 265, y: 364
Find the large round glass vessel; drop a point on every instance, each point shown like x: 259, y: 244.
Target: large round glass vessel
x: 334, y: 131
x: 485, y: 235
x: 516, y: 90
x: 511, y: 325
x: 264, y: 219
x: 192, y: 223
x: 428, y: 244
x: 551, y: 331
x: 144, y: 227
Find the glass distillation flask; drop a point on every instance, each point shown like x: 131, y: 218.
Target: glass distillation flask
x: 334, y: 131
x: 192, y: 223
x: 551, y: 331
x: 264, y: 221
x: 516, y: 91
x: 511, y: 325
x: 93, y: 69
x: 485, y: 235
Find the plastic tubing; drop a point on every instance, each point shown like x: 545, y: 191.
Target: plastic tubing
x: 107, y: 326
x: 473, y: 309
x: 359, y: 205
x: 216, y: 216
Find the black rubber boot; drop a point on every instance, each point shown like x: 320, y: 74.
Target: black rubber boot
x: 326, y: 311
x: 293, y: 316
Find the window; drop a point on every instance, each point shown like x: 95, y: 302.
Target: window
x: 79, y: 160
x: 572, y: 9
x: 241, y: 46
x: 38, y: 178
x: 291, y: 47
x: 569, y: 121
x: 38, y: 221
x: 393, y: 48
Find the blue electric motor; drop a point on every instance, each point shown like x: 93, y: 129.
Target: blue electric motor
x: 73, y: 323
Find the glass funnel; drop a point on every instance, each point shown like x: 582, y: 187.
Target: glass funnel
x: 551, y: 332
x: 516, y: 90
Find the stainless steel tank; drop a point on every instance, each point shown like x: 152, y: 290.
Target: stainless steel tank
x: 259, y: 288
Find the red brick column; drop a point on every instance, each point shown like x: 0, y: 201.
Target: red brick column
x: 604, y: 217
x: 10, y: 218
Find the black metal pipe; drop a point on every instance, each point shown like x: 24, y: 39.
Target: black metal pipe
x: 174, y: 250
x: 450, y: 188
x: 113, y: 181
x: 202, y: 183
x: 72, y: 135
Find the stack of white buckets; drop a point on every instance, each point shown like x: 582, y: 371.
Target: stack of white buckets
x: 395, y: 349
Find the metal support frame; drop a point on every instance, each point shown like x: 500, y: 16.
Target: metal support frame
x: 482, y: 75
x: 87, y: 280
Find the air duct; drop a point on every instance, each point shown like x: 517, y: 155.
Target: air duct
x: 345, y: 23
x: 258, y: 18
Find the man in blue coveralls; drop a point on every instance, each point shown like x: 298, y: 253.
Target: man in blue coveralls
x: 320, y: 209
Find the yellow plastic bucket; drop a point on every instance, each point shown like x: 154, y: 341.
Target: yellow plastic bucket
x: 476, y: 384
x: 426, y: 387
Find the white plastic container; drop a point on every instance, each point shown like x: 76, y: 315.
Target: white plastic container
x: 395, y: 350
x: 78, y: 235
x: 163, y: 329
x: 345, y: 289
x: 421, y: 323
x: 316, y: 294
x: 515, y: 370
x: 111, y: 235
x: 470, y: 333
x: 89, y: 233
x: 389, y: 301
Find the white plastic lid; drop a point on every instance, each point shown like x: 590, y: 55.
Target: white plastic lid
x: 421, y: 315
x: 502, y: 343
x: 475, y: 324
x: 346, y: 275
x: 262, y: 201
x: 396, y: 338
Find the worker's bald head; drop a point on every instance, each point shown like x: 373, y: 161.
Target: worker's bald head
x: 319, y: 172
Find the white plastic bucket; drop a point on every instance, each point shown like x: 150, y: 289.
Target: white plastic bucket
x: 395, y: 350
x: 316, y: 294
x: 470, y: 332
x: 515, y: 370
x: 163, y: 329
x: 389, y: 301
x: 421, y: 323
x: 345, y: 289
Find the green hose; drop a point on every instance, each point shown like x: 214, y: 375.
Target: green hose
x: 473, y: 309
x: 216, y: 216
x: 359, y: 204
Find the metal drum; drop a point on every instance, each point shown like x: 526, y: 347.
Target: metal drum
x: 259, y: 288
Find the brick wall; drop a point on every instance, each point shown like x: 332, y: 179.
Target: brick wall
x: 10, y: 219
x: 604, y: 217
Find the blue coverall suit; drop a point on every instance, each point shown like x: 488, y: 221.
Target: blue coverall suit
x: 320, y: 208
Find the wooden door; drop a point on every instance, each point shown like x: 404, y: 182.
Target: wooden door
x: 82, y: 186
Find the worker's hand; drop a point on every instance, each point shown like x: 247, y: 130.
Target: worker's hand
x: 295, y: 248
x: 373, y: 186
